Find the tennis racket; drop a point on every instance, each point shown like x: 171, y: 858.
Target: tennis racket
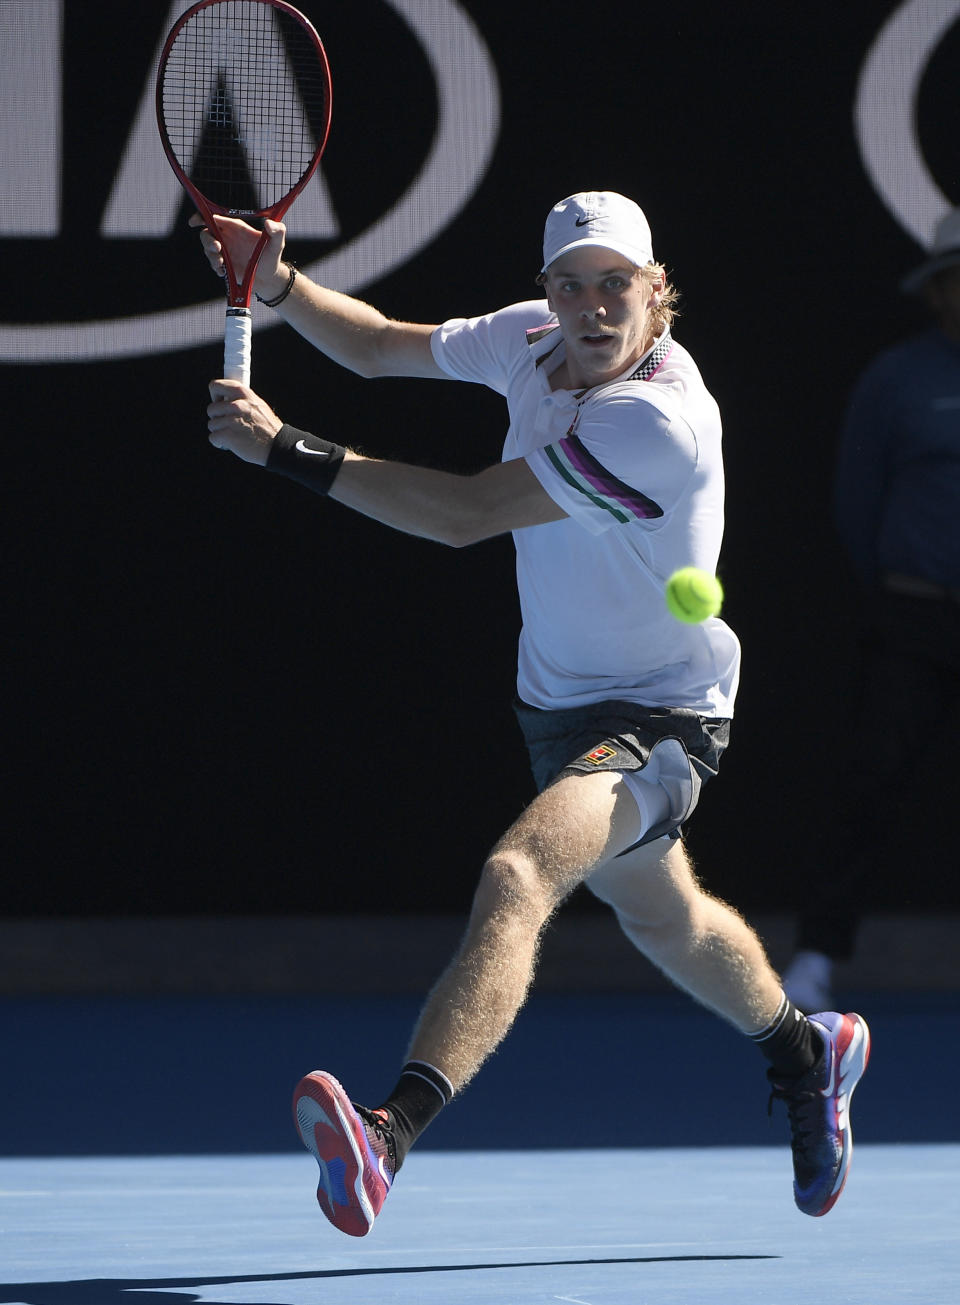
x: 243, y: 108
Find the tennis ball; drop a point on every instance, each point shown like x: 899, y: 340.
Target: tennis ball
x: 692, y: 595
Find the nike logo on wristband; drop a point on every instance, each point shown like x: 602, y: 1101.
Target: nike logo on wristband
x: 314, y: 453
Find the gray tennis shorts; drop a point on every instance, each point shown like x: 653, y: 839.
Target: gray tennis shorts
x: 670, y: 746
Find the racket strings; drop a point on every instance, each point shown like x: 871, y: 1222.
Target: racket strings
x: 244, y: 98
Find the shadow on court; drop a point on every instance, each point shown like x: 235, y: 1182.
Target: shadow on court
x: 121, y: 1291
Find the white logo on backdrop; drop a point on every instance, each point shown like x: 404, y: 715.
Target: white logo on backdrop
x: 885, y: 117
x: 145, y: 198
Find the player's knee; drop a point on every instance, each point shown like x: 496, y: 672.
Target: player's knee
x: 658, y: 923
x: 659, y: 909
x: 512, y: 883
x: 647, y: 890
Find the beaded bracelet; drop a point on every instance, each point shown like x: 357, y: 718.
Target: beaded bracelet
x: 272, y: 303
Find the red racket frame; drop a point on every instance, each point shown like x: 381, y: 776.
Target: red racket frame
x: 240, y: 286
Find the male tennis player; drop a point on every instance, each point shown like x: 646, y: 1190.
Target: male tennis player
x: 611, y: 479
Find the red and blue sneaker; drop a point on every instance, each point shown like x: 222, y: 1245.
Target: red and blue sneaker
x: 354, y: 1148
x: 818, y: 1105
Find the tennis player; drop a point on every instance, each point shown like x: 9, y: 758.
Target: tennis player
x: 611, y: 479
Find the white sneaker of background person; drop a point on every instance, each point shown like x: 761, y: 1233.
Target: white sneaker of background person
x: 807, y: 982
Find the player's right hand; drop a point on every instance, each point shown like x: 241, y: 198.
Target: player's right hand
x: 239, y: 421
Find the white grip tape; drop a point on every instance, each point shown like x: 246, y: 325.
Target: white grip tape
x: 237, y: 336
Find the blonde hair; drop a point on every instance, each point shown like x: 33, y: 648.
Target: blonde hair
x: 666, y: 310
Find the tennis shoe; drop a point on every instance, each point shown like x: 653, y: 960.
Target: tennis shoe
x: 354, y: 1148
x: 818, y: 1106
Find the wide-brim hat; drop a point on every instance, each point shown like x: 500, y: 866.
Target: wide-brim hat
x: 597, y: 217
x: 944, y: 253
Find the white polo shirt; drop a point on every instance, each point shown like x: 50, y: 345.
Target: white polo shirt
x: 636, y: 463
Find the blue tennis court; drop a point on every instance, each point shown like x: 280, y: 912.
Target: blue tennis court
x: 616, y: 1152
x: 599, y: 1227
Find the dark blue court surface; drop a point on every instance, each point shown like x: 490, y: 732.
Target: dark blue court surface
x: 616, y: 1152
x: 214, y: 1074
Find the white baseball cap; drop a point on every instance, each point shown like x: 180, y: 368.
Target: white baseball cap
x: 944, y: 253
x: 597, y: 217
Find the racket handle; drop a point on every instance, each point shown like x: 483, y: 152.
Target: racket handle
x: 237, y: 336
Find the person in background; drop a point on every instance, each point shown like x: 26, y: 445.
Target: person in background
x: 897, y: 510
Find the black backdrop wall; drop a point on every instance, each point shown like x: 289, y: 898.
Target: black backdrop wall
x: 224, y: 695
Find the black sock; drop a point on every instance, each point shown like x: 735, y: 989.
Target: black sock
x: 789, y: 1041
x: 420, y: 1094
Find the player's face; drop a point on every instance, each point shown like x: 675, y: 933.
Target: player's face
x: 604, y: 307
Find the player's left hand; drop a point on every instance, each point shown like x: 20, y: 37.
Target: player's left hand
x: 271, y: 274
x: 238, y: 420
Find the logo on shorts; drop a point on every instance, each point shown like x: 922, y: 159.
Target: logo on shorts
x: 600, y: 754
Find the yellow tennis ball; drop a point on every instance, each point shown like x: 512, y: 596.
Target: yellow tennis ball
x: 693, y: 595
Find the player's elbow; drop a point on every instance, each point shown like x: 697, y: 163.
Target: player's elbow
x: 465, y: 518
x: 369, y: 365
x: 460, y: 532
x: 458, y: 516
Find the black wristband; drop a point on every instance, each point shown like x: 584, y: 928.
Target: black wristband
x: 306, y: 458
x: 278, y: 299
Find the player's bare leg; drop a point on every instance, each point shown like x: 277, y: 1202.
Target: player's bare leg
x: 577, y: 823
x: 572, y: 826
x: 706, y: 948
x: 574, y: 831
x: 703, y: 945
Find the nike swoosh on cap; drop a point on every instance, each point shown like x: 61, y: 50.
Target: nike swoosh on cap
x: 582, y: 222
